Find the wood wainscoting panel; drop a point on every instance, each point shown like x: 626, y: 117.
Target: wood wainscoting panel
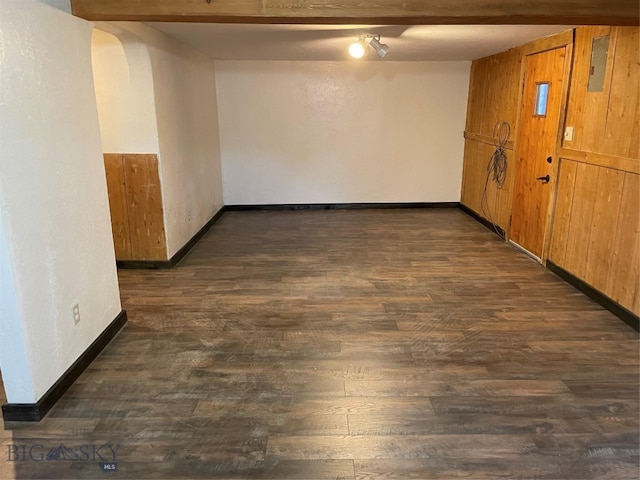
x: 146, y: 217
x: 608, y: 196
x: 118, y: 205
x: 474, y: 171
x: 498, y: 201
x: 562, y: 216
x: 596, y: 231
x: 624, y: 272
x: 580, y: 220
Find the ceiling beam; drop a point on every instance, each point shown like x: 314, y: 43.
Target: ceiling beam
x: 387, y: 12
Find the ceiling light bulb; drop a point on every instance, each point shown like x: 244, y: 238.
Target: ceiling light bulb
x: 356, y: 49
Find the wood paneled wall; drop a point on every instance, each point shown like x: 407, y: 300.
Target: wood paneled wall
x: 596, y: 235
x: 606, y: 122
x: 493, y: 97
x: 596, y: 220
x: 596, y: 227
x: 135, y: 200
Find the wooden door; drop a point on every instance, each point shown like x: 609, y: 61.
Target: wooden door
x: 537, y: 139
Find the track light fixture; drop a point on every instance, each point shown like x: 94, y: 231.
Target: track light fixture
x: 358, y: 48
x: 380, y: 48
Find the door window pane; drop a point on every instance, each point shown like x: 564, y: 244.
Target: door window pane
x: 542, y: 96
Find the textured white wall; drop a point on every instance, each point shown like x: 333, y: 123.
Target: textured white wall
x: 56, y: 245
x: 333, y: 132
x: 64, y: 5
x: 13, y: 348
x: 124, y: 92
x: 186, y: 109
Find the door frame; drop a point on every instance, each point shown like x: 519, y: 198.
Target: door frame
x: 565, y: 40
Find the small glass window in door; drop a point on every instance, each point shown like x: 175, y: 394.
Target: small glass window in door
x: 542, y: 97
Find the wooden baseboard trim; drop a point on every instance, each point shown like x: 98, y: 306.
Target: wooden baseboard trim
x: 179, y: 255
x: 618, y: 310
x: 483, y: 221
x: 34, y: 412
x: 339, y: 206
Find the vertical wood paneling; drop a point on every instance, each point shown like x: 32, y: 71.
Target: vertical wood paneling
x: 605, y: 218
x: 581, y: 217
x: 493, y: 97
x: 477, y: 87
x: 586, y: 111
x: 118, y: 205
x: 505, y: 196
x: 469, y: 177
x: 622, y: 131
x: 477, y: 157
x: 475, y: 172
x: 607, y: 122
x: 602, y: 222
x: 596, y: 234
x: 502, y: 91
x: 624, y: 272
x: 595, y: 231
x: 564, y: 204
x: 144, y: 197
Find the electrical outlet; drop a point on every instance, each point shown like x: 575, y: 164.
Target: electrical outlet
x: 76, y: 313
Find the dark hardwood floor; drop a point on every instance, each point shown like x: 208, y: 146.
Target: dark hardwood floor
x: 370, y: 344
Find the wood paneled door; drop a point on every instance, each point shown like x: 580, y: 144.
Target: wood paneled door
x: 537, y: 141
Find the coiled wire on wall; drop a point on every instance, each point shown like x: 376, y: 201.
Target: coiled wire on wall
x: 496, y: 168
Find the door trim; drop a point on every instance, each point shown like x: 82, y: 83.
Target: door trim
x: 555, y: 166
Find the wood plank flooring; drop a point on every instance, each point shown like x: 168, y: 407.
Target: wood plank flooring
x: 371, y: 344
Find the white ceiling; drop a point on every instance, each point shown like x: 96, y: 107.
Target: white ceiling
x: 330, y: 42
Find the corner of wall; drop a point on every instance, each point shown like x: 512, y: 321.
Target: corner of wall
x: 56, y: 240
x: 14, y: 362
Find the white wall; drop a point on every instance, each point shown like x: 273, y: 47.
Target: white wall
x: 124, y: 92
x: 341, y: 132
x: 64, y: 5
x: 55, y: 241
x: 187, y: 122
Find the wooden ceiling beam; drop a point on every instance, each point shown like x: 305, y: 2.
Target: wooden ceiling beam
x: 383, y: 12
